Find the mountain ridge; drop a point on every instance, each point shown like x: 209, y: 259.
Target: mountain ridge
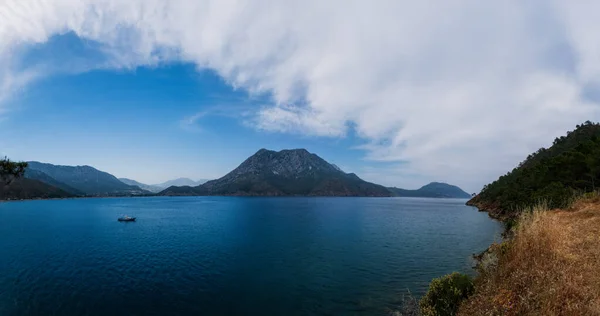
x: 180, y: 182
x: 143, y: 186
x: 43, y: 177
x: 289, y: 172
x: 87, y: 179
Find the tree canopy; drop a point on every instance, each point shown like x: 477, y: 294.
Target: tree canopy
x: 10, y: 170
x: 551, y: 175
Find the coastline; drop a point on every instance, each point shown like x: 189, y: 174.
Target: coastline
x: 493, y: 210
x: 224, y: 195
x: 506, y: 236
x: 496, y: 214
x: 546, y: 266
x: 75, y: 197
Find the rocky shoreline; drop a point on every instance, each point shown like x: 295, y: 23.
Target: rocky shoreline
x: 493, y: 210
x: 488, y: 256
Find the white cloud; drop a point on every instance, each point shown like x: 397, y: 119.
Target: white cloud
x: 193, y: 122
x: 295, y: 119
x: 13, y: 81
x: 460, y: 90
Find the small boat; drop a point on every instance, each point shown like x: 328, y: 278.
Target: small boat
x: 126, y: 218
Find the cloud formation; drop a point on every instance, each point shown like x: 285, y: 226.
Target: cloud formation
x: 458, y: 91
x: 192, y: 123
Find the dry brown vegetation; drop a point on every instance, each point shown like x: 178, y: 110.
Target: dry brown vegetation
x: 551, y: 266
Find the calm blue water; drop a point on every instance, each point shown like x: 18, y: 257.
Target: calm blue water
x: 230, y: 256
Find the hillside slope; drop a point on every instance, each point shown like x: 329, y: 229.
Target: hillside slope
x: 549, y: 267
x: 86, y: 179
x: 553, y: 175
x: 285, y: 173
x: 42, y: 177
x: 23, y: 188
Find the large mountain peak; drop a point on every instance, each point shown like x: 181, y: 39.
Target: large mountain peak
x: 284, y: 163
x: 285, y: 172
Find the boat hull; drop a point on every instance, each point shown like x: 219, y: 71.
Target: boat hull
x: 126, y: 219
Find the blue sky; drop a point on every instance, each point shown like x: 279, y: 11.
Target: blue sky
x: 150, y: 123
x: 400, y: 92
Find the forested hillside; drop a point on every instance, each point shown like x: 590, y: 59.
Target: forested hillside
x: 552, y: 175
x: 84, y: 179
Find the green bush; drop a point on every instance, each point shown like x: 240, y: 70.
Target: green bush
x: 445, y: 294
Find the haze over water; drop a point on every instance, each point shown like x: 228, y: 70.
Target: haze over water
x: 230, y: 256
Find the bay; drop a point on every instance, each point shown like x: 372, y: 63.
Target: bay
x: 231, y: 255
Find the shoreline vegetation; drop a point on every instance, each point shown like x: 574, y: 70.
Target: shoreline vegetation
x: 570, y: 167
x: 548, y: 261
x: 546, y: 264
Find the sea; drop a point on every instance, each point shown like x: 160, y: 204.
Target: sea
x: 231, y: 255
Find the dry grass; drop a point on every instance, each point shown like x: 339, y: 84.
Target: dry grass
x: 550, y: 267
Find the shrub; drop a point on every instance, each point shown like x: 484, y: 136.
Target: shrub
x: 445, y: 294
x: 409, y: 306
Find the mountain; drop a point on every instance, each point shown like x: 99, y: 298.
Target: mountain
x: 24, y: 188
x: 433, y: 190
x: 180, y: 182
x: 550, y: 175
x: 86, y: 179
x: 147, y: 187
x: 284, y: 173
x: 42, y: 177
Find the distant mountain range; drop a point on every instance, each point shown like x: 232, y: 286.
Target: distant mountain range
x: 147, y: 187
x: 155, y: 188
x: 433, y: 190
x: 298, y: 172
x: 80, y: 180
x: 295, y: 172
x: 181, y: 182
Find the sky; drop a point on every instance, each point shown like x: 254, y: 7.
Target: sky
x: 400, y: 92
